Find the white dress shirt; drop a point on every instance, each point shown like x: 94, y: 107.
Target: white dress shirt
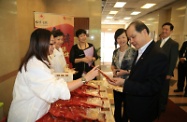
x: 164, y: 41
x: 142, y: 49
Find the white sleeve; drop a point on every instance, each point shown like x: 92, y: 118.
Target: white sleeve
x: 44, y: 84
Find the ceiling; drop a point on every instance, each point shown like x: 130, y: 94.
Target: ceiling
x: 128, y: 8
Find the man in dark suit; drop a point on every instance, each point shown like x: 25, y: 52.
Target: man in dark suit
x: 182, y: 69
x: 170, y: 47
x: 147, y: 74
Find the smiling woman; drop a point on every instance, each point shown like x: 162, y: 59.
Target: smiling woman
x: 122, y: 60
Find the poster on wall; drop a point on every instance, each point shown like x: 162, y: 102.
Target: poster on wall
x: 54, y: 22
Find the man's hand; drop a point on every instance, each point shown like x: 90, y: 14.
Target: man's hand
x: 182, y: 60
x: 117, y: 81
x: 168, y: 77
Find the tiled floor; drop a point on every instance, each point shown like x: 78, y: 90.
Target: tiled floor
x: 175, y: 97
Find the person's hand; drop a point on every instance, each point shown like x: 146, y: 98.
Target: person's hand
x: 85, y: 60
x: 121, y: 72
x: 117, y: 81
x: 168, y: 77
x: 115, y: 72
x: 182, y: 60
x: 92, y: 73
x: 68, y: 70
x: 88, y: 59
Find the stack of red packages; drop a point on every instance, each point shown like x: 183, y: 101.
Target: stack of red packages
x: 84, y: 106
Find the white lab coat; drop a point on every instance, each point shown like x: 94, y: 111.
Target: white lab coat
x: 57, y: 60
x: 34, y: 91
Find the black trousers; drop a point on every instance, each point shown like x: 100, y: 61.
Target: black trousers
x: 119, y: 104
x: 182, y: 76
x: 164, y: 95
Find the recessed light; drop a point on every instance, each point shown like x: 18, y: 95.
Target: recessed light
x: 181, y: 8
x: 113, y: 12
x: 135, y: 13
x: 119, y: 4
x: 181, y: 15
x: 150, y: 19
x: 109, y: 17
x: 127, y: 18
x: 148, y: 5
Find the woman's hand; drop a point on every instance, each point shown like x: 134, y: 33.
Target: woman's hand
x: 115, y: 71
x: 88, y: 59
x: 92, y: 73
x: 120, y: 72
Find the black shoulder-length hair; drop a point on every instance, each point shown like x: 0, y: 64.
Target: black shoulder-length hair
x: 38, y: 47
x: 117, y: 34
x: 80, y: 31
x: 57, y: 33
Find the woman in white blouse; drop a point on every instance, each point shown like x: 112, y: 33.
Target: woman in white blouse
x: 57, y: 59
x: 35, y: 86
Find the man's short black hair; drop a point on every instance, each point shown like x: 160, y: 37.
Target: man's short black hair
x: 168, y: 23
x: 139, y: 26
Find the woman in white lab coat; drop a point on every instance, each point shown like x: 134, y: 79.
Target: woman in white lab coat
x: 57, y: 59
x: 35, y: 86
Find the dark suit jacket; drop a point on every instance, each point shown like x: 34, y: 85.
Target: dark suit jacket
x: 183, y: 50
x: 171, y: 50
x: 144, y: 84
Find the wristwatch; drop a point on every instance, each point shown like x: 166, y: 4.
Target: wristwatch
x: 83, y: 79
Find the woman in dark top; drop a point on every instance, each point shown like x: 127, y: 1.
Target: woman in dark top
x: 79, y: 60
x: 122, y: 60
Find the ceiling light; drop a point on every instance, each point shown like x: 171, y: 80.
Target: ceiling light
x: 13, y: 12
x: 121, y: 20
x: 150, y: 19
x: 135, y: 13
x: 109, y: 17
x: 127, y: 18
x: 119, y: 4
x: 113, y: 12
x: 148, y: 5
x: 106, y: 20
x: 181, y: 15
x: 181, y: 8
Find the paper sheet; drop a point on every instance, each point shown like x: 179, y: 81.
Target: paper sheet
x: 89, y: 52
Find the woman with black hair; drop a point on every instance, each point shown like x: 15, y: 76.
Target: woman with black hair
x: 36, y: 87
x: 57, y: 59
x: 122, y: 60
x: 81, y: 62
